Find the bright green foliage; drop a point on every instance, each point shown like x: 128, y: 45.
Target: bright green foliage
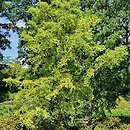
x: 67, y: 83
x: 112, y: 123
x: 122, y: 103
x: 121, y: 109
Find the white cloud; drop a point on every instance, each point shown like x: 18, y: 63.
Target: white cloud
x: 20, y: 24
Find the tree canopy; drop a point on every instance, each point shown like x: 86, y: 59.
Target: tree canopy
x: 70, y: 77
x: 74, y: 56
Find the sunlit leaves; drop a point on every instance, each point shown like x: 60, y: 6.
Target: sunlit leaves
x: 64, y: 80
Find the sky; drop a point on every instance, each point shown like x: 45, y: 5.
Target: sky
x: 13, y: 52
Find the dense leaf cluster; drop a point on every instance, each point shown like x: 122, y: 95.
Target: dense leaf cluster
x: 75, y: 65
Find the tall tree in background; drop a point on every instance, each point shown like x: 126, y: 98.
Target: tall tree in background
x: 113, y: 28
x: 4, y: 43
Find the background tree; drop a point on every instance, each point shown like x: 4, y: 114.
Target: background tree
x: 4, y: 43
x: 113, y: 29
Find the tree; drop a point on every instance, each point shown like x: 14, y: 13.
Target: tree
x: 15, y: 11
x: 67, y: 83
x: 113, y: 29
x: 4, y: 43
